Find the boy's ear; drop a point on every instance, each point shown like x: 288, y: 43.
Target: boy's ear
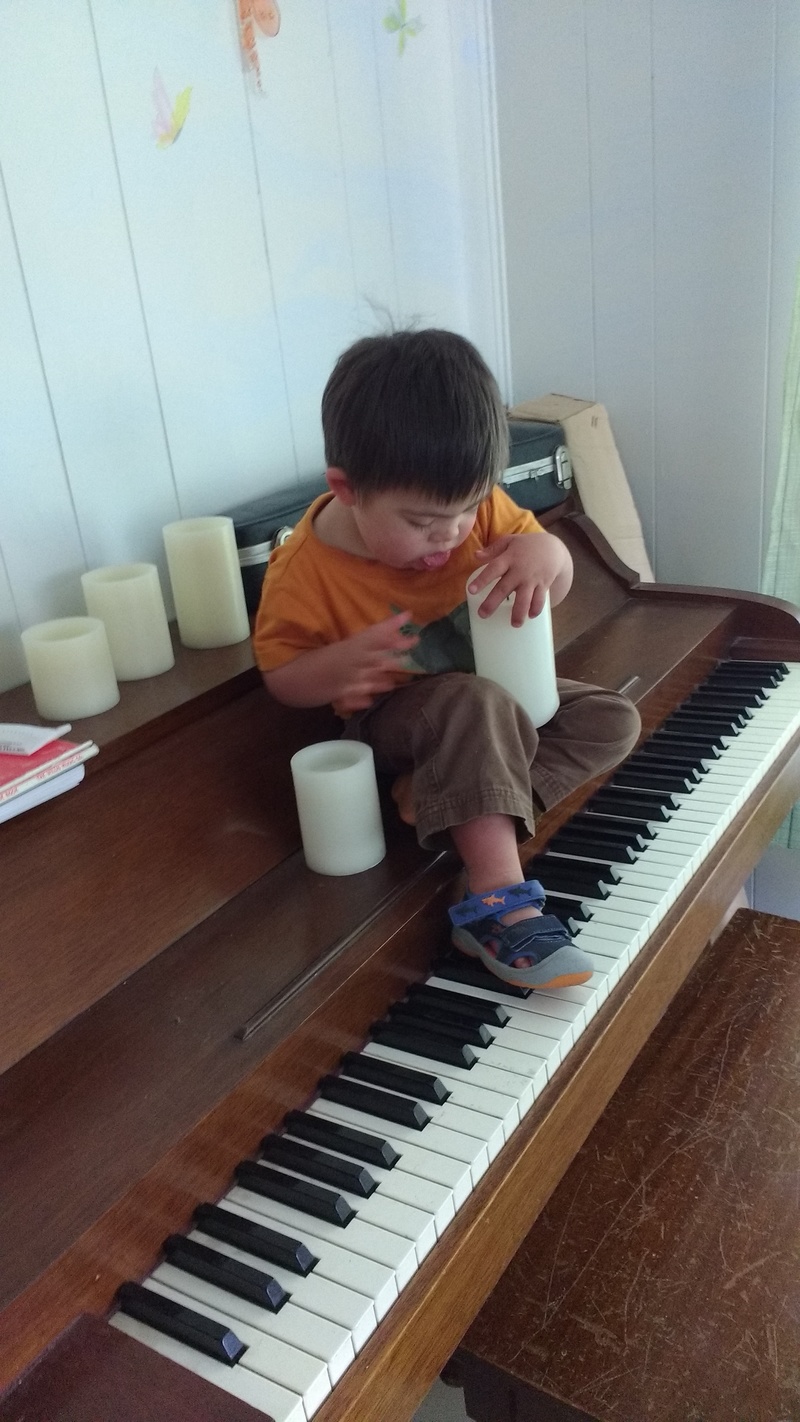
x: 339, y: 484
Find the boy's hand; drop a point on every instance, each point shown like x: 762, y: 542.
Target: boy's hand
x: 363, y: 666
x: 527, y: 565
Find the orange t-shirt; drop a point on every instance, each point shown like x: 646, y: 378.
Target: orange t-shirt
x: 314, y: 594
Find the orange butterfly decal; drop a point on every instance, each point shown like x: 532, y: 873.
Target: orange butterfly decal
x: 264, y: 14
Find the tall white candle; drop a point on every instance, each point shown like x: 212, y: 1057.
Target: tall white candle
x: 70, y: 667
x: 128, y: 600
x: 338, y: 807
x: 206, y: 580
x: 521, y: 659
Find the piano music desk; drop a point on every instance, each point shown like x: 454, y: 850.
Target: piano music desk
x: 662, y: 1279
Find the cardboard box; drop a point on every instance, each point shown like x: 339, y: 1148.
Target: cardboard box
x: 601, y: 480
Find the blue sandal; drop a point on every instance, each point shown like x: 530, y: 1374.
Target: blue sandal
x: 478, y: 932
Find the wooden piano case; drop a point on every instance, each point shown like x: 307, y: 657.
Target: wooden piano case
x: 174, y: 979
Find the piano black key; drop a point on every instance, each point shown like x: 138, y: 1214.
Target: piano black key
x: 402, y: 1109
x: 640, y: 779
x: 424, y: 1016
x: 422, y: 1044
x: 703, y: 725
x: 184, y: 1324
x: 767, y: 673
x: 293, y: 1155
x: 631, y: 804
x: 709, y: 746
x: 240, y: 1279
x: 717, y: 702
x: 619, y: 831
x: 471, y: 972
x: 479, y: 1009
x: 333, y: 1136
x: 265, y: 1243
x: 732, y: 686
x: 571, y: 877
x: 731, y: 693
x: 377, y: 1072
x: 300, y: 1194
x: 675, y: 754
x: 593, y: 847
x: 571, y: 911
x: 654, y: 764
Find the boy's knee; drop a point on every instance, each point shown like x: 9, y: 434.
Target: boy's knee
x: 618, y: 721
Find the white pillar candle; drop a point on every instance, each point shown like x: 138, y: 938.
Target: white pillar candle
x: 128, y: 600
x: 70, y: 667
x: 338, y: 806
x: 206, y: 579
x: 521, y: 659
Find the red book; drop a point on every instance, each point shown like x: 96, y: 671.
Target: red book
x: 21, y: 772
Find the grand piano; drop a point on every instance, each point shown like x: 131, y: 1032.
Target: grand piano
x: 176, y: 987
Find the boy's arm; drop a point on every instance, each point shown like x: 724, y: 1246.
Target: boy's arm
x: 351, y: 672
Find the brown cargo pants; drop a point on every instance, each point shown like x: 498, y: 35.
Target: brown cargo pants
x: 473, y: 751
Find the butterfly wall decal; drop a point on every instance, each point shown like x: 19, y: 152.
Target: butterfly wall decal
x: 398, y: 23
x: 169, y: 118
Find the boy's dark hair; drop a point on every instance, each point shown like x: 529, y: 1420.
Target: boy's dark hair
x: 415, y: 410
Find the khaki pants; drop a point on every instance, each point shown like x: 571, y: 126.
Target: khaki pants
x: 473, y: 751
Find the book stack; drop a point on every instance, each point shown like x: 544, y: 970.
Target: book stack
x: 36, y: 764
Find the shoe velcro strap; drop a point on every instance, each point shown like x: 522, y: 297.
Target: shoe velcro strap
x: 531, y: 938
x: 498, y: 902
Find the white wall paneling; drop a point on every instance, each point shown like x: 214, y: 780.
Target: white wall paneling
x: 712, y: 124
x: 540, y: 61
x: 649, y: 159
x: 169, y: 313
x: 63, y: 195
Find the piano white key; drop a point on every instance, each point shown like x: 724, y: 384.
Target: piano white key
x: 316, y: 1336
x: 340, y: 1265
x: 353, y: 1311
x: 383, y: 1213
x: 441, y: 1141
x: 277, y: 1402
x: 469, y: 1095
x: 280, y: 1363
x: 369, y: 1240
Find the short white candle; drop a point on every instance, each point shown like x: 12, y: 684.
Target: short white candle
x: 128, y: 600
x: 70, y: 667
x: 206, y: 580
x: 521, y: 659
x: 338, y: 807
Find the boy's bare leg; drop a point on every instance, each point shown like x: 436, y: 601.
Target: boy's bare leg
x: 490, y: 854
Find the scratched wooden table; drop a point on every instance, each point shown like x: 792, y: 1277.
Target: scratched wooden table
x: 662, y: 1280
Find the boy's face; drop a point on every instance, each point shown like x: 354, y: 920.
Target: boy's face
x: 404, y: 529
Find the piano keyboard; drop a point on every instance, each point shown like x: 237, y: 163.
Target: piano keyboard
x: 279, y: 1286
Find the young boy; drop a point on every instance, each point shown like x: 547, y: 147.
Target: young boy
x: 364, y: 606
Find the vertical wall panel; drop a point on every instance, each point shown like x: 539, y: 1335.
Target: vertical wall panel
x: 416, y: 88
x: 479, y: 182
x: 785, y: 236
x: 192, y: 208
x: 363, y: 156
x: 619, y: 64
x: 304, y: 211
x: 40, y: 549
x: 544, y: 157
x: 65, y: 203
x: 713, y: 138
